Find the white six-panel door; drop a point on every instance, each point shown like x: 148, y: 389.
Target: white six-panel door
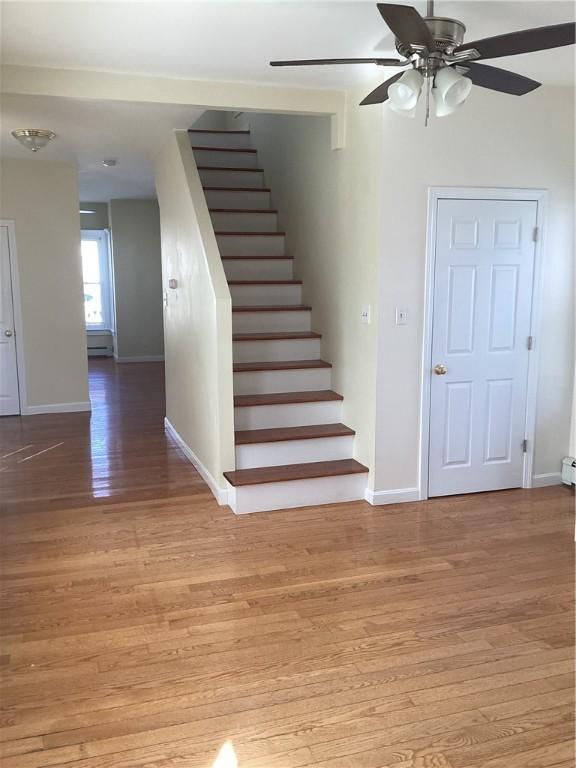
x: 483, y: 285
x: 9, y: 397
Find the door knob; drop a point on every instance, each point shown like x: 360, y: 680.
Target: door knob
x: 8, y: 333
x: 440, y: 369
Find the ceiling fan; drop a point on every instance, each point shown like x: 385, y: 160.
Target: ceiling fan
x: 435, y: 55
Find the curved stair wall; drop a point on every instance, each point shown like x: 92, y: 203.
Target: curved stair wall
x: 197, y: 320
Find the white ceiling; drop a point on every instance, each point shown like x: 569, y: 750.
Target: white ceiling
x: 229, y: 41
x: 235, y: 40
x: 89, y: 131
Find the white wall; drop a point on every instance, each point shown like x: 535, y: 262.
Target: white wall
x: 42, y: 198
x: 136, y: 257
x: 329, y: 203
x: 496, y: 141
x: 197, y: 318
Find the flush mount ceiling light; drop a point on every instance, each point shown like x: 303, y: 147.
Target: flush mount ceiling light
x: 433, y: 48
x: 33, y: 138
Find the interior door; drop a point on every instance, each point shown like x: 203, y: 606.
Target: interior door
x: 483, y: 285
x: 9, y: 397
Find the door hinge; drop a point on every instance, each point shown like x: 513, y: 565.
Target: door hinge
x: 536, y: 234
x: 525, y: 446
x: 530, y: 342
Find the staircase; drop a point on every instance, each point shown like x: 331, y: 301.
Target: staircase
x: 291, y: 448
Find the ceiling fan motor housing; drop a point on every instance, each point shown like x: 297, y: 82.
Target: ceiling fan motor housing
x: 447, y: 34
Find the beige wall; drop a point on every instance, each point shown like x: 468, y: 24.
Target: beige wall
x: 96, y: 220
x: 136, y: 257
x: 197, y: 318
x: 356, y: 222
x: 330, y: 203
x: 497, y: 141
x: 42, y: 198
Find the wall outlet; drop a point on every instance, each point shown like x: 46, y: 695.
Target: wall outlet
x: 365, y: 314
x: 401, y: 316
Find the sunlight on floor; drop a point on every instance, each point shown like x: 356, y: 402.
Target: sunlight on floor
x: 226, y: 757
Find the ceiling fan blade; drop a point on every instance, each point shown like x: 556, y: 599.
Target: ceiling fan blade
x: 499, y: 79
x: 406, y: 24
x: 523, y: 41
x: 380, y: 94
x: 308, y: 62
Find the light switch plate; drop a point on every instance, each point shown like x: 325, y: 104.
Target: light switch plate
x: 401, y: 316
x: 365, y: 314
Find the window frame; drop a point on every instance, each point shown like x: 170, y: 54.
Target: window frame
x: 100, y: 236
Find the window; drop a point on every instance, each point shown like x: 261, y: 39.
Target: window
x: 96, y: 273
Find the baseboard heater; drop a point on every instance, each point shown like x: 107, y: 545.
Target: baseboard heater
x: 101, y: 350
x: 569, y: 470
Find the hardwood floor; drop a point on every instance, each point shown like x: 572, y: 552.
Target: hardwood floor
x: 145, y: 626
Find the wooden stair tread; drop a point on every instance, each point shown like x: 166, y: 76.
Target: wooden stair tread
x: 212, y: 130
x: 283, y: 434
x: 227, y: 168
x: 249, y: 258
x: 287, y: 472
x: 237, y: 189
x: 225, y: 149
x: 287, y: 398
x: 251, y: 234
x: 264, y: 282
x: 280, y: 365
x: 274, y: 308
x: 243, y: 210
x: 276, y: 336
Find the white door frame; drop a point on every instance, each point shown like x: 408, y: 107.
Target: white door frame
x: 540, y: 196
x: 17, y: 309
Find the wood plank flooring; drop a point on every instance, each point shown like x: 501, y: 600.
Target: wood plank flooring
x: 145, y: 626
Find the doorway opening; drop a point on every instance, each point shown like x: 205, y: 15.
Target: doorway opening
x: 12, y: 372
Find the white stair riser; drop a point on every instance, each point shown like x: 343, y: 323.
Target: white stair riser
x: 258, y: 269
x: 232, y: 178
x: 224, y: 139
x: 292, y: 415
x: 297, y: 380
x: 274, y: 350
x: 265, y: 295
x: 294, y: 452
x: 296, y: 493
x: 251, y: 245
x: 243, y: 200
x: 244, y: 222
x: 226, y: 159
x: 268, y: 322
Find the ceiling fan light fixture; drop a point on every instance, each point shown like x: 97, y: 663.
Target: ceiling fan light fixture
x: 441, y: 109
x: 405, y: 92
x: 453, y: 87
x: 403, y: 112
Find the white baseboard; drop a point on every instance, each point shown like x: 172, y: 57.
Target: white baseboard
x: 220, y: 494
x: 141, y: 359
x: 548, y: 478
x: 396, y: 496
x: 35, y: 410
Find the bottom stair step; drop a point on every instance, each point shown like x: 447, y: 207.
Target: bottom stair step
x: 261, y: 475
x: 295, y: 485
